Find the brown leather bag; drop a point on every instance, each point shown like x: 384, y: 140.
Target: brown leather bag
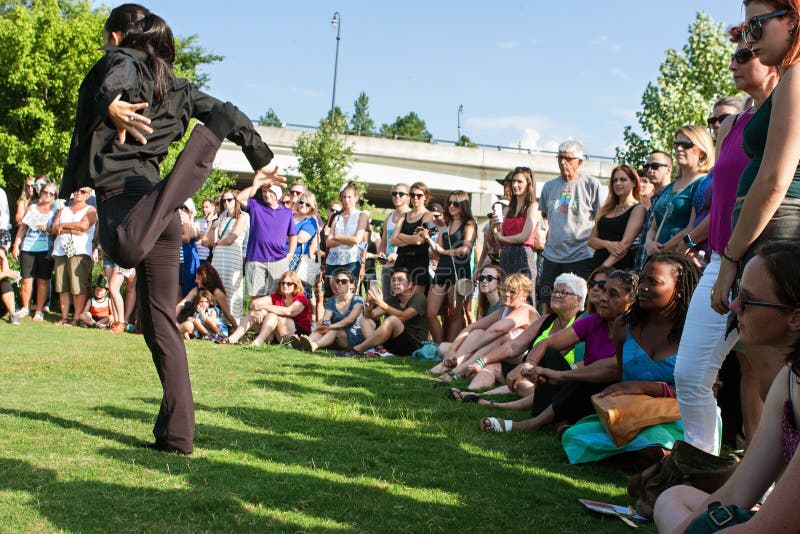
x: 624, y: 416
x: 686, y: 465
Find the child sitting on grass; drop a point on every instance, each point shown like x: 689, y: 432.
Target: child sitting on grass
x: 97, y: 312
x: 206, y: 322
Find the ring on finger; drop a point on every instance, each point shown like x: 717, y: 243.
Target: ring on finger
x: 132, y: 118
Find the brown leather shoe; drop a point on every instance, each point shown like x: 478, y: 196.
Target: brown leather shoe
x: 117, y: 327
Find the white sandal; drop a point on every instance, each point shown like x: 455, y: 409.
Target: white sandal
x: 497, y: 426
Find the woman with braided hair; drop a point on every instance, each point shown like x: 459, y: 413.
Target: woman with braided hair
x: 132, y: 91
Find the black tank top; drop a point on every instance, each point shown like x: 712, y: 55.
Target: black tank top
x: 408, y: 228
x: 612, y: 229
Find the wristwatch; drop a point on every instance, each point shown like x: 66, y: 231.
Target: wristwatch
x: 688, y: 240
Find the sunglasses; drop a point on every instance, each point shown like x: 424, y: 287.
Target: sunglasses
x: 683, y: 144
x: 654, y: 166
x: 303, y: 203
x: 712, y: 121
x: 417, y: 195
x: 52, y: 194
x: 599, y: 283
x: 295, y: 192
x: 754, y: 29
x: 626, y: 276
x: 453, y: 203
x: 333, y: 210
x: 742, y: 56
x: 488, y: 278
x: 511, y: 292
x: 284, y: 283
x: 28, y: 185
x: 400, y: 194
x: 82, y: 191
x: 773, y: 305
x: 228, y: 199
x: 341, y: 281
x: 518, y: 170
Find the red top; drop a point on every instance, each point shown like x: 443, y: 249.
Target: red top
x: 514, y: 226
x: 302, y: 321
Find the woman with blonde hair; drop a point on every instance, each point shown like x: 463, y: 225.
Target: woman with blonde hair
x: 346, y: 234
x: 412, y: 247
x: 694, y: 156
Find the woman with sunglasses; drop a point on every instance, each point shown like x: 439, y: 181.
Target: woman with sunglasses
x: 647, y: 341
x: 454, y: 249
x: 278, y: 317
x: 492, y: 331
x: 768, y: 311
x: 74, y: 227
x: 412, y: 247
x: 569, y: 399
x: 227, y: 237
x: 29, y: 195
x: 306, y: 226
x: 520, y: 234
x: 694, y: 155
x: 566, y: 302
x: 619, y: 221
x: 387, y: 252
x: 32, y: 247
x: 340, y: 323
x: 701, y: 353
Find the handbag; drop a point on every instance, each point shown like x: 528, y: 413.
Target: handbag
x: 718, y: 517
x: 69, y: 246
x: 687, y: 465
x: 624, y: 416
x: 464, y: 286
x: 308, y: 268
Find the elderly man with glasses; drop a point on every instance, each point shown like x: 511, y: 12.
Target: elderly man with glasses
x: 569, y: 204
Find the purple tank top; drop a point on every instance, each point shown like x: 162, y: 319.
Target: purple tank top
x: 727, y: 171
x: 789, y: 430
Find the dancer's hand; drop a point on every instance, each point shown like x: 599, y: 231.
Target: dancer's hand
x: 269, y: 178
x: 125, y: 119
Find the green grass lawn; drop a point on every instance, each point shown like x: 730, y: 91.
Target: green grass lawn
x: 285, y: 441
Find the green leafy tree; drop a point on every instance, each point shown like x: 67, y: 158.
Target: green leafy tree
x: 270, y: 118
x: 361, y: 123
x: 336, y: 119
x: 323, y: 159
x: 46, y: 49
x: 690, y: 81
x: 410, y: 127
x: 465, y: 141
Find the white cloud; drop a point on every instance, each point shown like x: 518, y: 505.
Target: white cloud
x: 507, y: 45
x: 517, y: 122
x: 605, y: 42
x: 527, y: 131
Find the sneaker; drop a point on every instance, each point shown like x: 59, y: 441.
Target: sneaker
x: 38, y: 316
x: 13, y: 319
x: 117, y: 328
x: 348, y: 352
x: 23, y: 312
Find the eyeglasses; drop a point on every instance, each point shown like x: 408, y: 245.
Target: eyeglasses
x: 774, y: 305
x: 290, y: 284
x: 341, y: 281
x: 488, y: 278
x: 400, y: 194
x: 231, y: 199
x: 561, y: 293
x: 654, y: 166
x: 599, y: 283
x: 742, y: 56
x: 712, y: 121
x: 50, y: 193
x: 683, y: 144
x: 565, y: 158
x: 286, y: 201
x: 754, y: 29
x: 39, y: 185
x: 453, y: 203
x: 417, y: 195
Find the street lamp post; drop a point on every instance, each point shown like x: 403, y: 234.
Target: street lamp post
x: 336, y: 22
x: 460, y: 113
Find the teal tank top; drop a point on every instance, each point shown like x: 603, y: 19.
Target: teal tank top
x: 754, y: 139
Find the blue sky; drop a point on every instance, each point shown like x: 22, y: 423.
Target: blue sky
x: 526, y: 72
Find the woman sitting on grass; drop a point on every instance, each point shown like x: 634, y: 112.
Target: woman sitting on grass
x: 286, y: 313
x: 570, y: 400
x: 768, y: 312
x: 205, y: 322
x: 566, y: 302
x: 207, y: 278
x: 647, y: 344
x: 493, y: 330
x: 340, y: 324
x: 489, y: 281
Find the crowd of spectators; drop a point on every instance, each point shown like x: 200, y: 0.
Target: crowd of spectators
x: 559, y: 298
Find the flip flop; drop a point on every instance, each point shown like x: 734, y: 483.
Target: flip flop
x: 456, y: 394
x: 496, y: 425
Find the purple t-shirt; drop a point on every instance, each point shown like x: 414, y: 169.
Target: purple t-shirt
x: 593, y: 331
x: 727, y: 170
x: 269, y: 229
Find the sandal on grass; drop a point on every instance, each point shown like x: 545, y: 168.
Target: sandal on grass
x: 456, y: 394
x: 496, y: 424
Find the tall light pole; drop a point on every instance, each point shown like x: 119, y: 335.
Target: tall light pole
x: 460, y: 113
x: 336, y: 23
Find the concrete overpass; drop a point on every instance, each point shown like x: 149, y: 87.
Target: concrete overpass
x: 381, y: 163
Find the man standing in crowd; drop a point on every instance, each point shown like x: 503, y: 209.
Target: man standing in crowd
x: 271, y: 228
x: 658, y: 171
x: 569, y: 203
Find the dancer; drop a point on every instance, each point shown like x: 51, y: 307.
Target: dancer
x: 132, y: 91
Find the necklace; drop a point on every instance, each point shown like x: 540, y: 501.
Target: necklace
x: 622, y: 208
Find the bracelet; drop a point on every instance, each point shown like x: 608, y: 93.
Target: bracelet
x: 326, y: 323
x: 667, y: 390
x: 725, y: 255
x: 481, y: 362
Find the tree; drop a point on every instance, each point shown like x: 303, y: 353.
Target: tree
x: 323, y: 160
x: 337, y: 119
x: 270, y: 118
x: 410, y: 127
x: 690, y: 81
x: 465, y: 141
x: 361, y: 123
x: 46, y: 49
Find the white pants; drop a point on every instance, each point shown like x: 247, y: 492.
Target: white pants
x: 702, y: 350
